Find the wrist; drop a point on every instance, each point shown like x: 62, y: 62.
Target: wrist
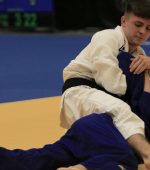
x: 139, y: 143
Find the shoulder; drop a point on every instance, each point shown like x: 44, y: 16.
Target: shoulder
x: 108, y: 35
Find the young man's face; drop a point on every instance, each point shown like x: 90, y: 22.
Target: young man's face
x: 136, y: 29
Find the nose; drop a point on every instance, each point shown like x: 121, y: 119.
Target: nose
x: 142, y: 30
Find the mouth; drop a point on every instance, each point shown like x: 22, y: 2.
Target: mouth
x: 140, y: 38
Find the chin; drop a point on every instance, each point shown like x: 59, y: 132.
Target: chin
x: 137, y: 43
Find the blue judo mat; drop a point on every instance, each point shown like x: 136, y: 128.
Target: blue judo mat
x: 31, y: 65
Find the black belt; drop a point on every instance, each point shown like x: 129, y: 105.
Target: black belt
x: 72, y: 82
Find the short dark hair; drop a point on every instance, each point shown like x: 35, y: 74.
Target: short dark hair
x: 140, y: 8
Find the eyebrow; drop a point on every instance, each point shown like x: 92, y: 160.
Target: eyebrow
x: 140, y: 22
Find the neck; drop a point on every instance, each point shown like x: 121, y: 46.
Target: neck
x: 132, y: 49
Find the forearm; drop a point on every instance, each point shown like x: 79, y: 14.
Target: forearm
x: 139, y: 143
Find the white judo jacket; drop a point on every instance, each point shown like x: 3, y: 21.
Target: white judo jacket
x: 98, y: 61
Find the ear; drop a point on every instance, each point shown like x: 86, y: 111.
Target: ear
x: 123, y: 21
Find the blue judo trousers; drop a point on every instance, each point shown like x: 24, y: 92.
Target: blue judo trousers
x: 92, y: 141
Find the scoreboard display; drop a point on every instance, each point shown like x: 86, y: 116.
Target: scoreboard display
x: 26, y: 14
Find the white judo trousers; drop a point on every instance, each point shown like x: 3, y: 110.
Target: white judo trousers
x: 84, y: 100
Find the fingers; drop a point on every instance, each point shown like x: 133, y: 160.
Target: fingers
x: 147, y: 164
x: 62, y: 169
x: 138, y: 64
x: 75, y: 167
x: 137, y: 68
x: 69, y: 168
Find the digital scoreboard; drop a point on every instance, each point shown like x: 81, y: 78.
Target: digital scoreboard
x: 26, y: 14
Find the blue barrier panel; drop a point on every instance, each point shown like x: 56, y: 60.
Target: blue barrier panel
x: 26, y: 5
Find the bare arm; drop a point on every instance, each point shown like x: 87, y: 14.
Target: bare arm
x: 142, y: 147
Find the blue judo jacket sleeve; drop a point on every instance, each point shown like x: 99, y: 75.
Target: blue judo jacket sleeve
x: 50, y: 157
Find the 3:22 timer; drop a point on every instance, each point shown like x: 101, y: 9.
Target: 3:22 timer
x: 19, y: 20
